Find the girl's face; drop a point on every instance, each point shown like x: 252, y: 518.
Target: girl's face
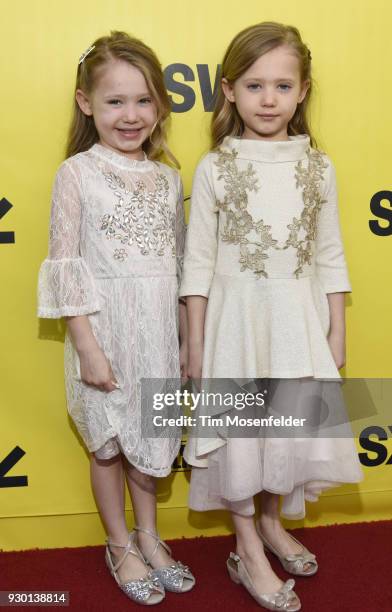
x: 267, y: 94
x: 123, y: 109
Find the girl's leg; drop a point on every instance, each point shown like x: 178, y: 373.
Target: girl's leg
x: 251, y: 551
x: 107, y: 481
x: 142, y: 489
x: 272, y: 528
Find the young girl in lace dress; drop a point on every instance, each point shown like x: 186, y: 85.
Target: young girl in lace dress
x: 116, y: 244
x: 265, y: 277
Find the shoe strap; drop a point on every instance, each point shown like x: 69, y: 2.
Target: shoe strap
x: 241, y: 568
x: 157, y: 539
x: 281, y: 597
x: 127, y: 551
x: 305, y: 556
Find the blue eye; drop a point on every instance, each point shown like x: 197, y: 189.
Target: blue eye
x: 145, y: 101
x: 114, y: 102
x: 285, y: 87
x: 253, y: 86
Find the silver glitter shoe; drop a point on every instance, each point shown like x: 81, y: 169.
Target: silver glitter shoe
x: 176, y: 577
x: 146, y: 591
x: 283, y: 600
x: 295, y: 563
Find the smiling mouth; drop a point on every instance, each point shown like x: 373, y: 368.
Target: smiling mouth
x: 129, y: 130
x: 130, y: 133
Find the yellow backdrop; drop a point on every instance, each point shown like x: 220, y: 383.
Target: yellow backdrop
x: 40, y: 44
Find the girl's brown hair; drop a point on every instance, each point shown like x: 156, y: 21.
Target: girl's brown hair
x: 242, y: 52
x: 119, y: 45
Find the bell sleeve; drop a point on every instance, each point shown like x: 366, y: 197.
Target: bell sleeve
x: 331, y: 268
x: 66, y: 286
x: 201, y: 243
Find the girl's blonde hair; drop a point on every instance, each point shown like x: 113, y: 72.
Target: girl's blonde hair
x: 242, y: 52
x: 119, y: 45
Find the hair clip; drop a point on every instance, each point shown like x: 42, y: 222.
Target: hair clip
x: 85, y: 54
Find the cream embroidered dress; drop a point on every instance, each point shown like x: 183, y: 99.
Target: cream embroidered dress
x: 117, y: 236
x: 264, y: 246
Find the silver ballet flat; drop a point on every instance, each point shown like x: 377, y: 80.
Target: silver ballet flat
x: 284, y: 599
x: 295, y: 563
x: 147, y: 591
x: 175, y: 577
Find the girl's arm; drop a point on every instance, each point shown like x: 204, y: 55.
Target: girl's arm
x: 180, y: 246
x: 196, y: 307
x: 337, y: 331
x: 66, y: 286
x: 331, y: 268
x: 199, y: 262
x: 184, y: 344
x: 95, y: 368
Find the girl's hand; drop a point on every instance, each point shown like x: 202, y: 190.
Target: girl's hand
x: 337, y: 345
x: 184, y: 362
x: 95, y: 370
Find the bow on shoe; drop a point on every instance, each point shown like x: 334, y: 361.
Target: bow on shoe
x: 172, y: 577
x: 153, y: 581
x: 284, y: 594
x: 177, y: 572
x: 301, y: 559
x: 183, y: 568
x: 141, y: 589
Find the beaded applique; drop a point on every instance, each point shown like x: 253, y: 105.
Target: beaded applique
x: 303, y: 230
x: 255, y: 237
x: 240, y: 227
x: 141, y: 217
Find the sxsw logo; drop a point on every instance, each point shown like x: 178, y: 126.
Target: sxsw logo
x: 178, y: 80
x: 382, y: 212
x: 7, y: 464
x: 375, y: 446
x: 6, y: 237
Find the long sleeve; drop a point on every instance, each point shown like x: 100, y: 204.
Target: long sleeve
x: 201, y: 241
x: 66, y: 286
x: 331, y: 267
x: 180, y: 229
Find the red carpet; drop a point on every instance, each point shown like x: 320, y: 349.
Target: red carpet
x: 355, y: 573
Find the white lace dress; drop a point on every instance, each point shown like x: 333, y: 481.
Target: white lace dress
x: 264, y: 246
x: 117, y: 237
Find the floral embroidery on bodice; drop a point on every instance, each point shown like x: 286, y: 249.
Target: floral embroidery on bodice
x: 140, y: 217
x: 254, y: 237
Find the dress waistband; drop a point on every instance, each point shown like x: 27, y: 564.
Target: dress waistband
x: 248, y: 278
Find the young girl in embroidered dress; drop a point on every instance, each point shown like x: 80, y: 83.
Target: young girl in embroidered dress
x: 264, y: 278
x: 116, y: 243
